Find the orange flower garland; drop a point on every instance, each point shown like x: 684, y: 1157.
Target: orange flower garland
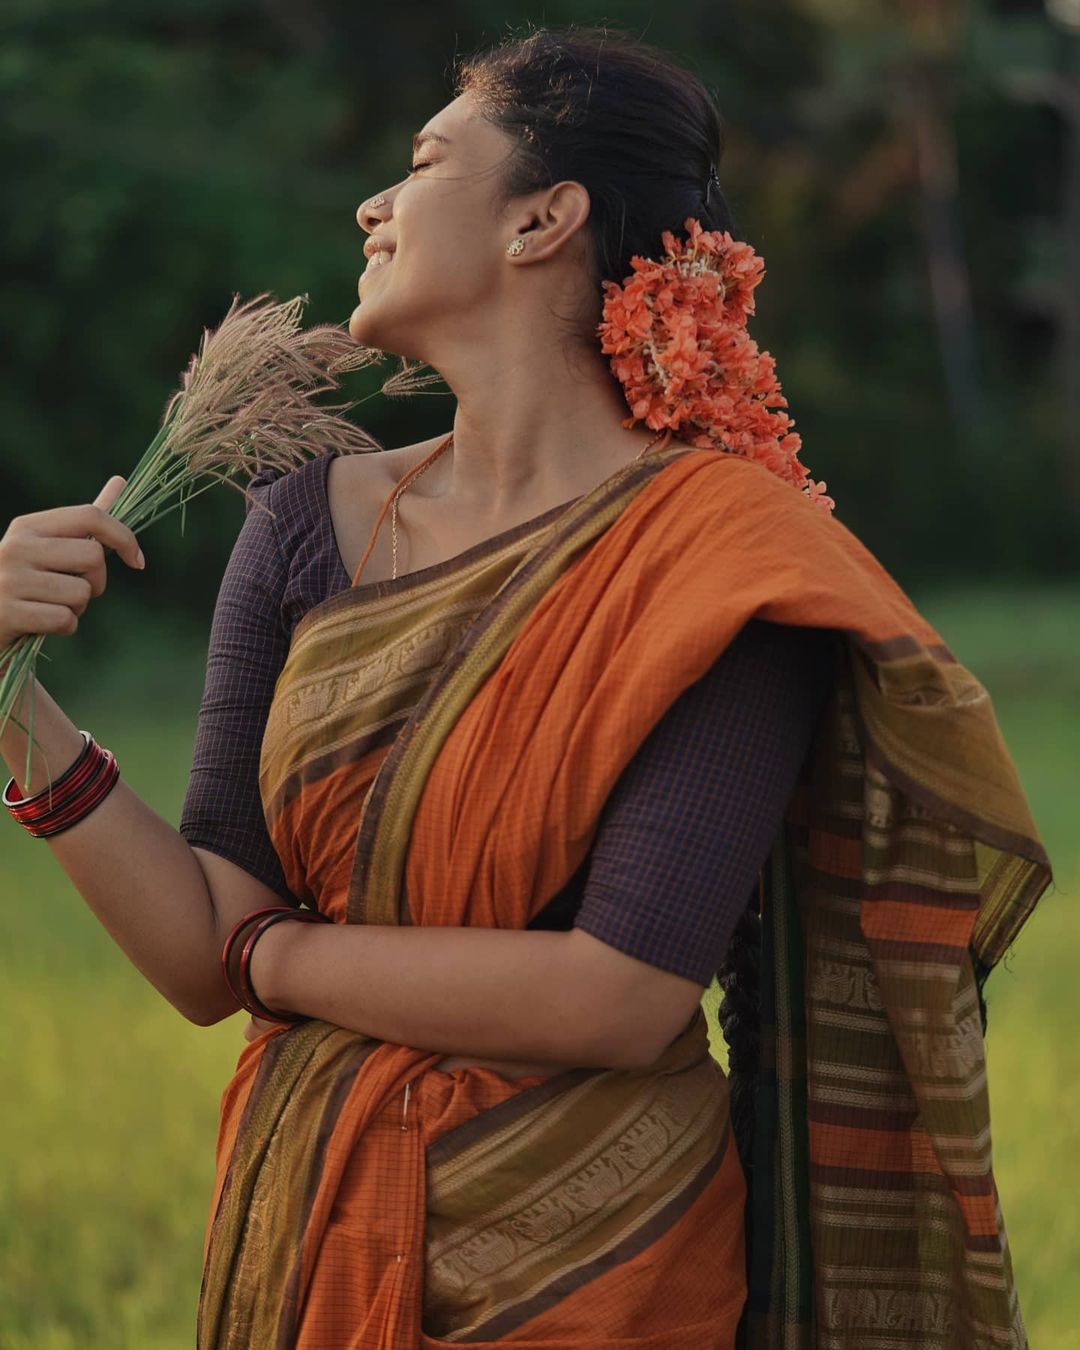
x: 676, y: 334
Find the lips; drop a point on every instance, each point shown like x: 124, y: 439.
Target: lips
x: 377, y: 260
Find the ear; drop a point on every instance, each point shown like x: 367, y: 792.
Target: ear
x: 553, y: 219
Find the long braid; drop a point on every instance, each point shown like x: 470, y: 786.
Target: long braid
x: 739, y: 976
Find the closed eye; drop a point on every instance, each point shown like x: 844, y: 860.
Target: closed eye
x: 424, y: 164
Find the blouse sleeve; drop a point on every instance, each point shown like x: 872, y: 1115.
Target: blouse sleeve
x: 691, y: 819
x: 222, y: 810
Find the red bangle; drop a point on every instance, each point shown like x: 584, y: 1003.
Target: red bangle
x: 242, y: 988
x: 230, y: 942
x: 80, y: 788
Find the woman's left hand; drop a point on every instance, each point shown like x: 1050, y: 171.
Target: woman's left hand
x: 256, y: 1026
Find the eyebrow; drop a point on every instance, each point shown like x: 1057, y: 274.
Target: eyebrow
x: 422, y: 136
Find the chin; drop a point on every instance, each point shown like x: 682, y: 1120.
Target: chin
x: 360, y: 326
x: 365, y: 328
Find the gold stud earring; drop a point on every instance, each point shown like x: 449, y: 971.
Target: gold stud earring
x: 515, y: 246
x: 377, y: 201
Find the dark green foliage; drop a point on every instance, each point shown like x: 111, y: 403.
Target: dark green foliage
x: 158, y: 159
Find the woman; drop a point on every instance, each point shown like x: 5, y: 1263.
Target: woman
x: 607, y: 712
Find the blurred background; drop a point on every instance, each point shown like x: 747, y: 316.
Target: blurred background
x: 910, y: 171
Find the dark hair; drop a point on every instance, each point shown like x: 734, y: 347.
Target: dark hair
x: 599, y: 107
x: 740, y: 1021
x: 642, y: 134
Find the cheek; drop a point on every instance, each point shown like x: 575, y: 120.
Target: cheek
x: 446, y: 238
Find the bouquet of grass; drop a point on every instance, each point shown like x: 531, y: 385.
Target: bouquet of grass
x: 245, y: 403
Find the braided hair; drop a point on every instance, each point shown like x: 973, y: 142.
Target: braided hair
x: 739, y: 976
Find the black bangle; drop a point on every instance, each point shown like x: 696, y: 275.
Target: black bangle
x: 251, y: 1001
x: 51, y: 788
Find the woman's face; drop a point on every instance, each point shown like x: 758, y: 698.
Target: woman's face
x: 444, y: 234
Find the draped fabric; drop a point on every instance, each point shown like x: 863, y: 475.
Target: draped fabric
x: 440, y: 753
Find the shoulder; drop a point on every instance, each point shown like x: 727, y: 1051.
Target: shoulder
x: 356, y: 487
x: 718, y: 478
x: 278, y: 487
x: 370, y: 470
x: 771, y: 666
x: 290, y: 506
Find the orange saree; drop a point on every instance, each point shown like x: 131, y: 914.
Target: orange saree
x: 439, y: 751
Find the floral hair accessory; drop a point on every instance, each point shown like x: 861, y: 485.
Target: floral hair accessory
x: 676, y: 334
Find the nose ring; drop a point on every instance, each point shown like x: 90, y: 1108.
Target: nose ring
x: 377, y: 201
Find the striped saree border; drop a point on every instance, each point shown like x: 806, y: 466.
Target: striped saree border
x: 906, y: 1244
x: 332, y: 703
x: 375, y: 890
x: 588, y: 1177
x: 250, y: 1281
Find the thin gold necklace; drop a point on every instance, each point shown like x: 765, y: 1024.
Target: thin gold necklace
x: 415, y: 472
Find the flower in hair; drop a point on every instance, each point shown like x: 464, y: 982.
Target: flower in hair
x: 676, y: 334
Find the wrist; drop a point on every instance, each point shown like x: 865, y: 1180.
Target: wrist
x: 273, y: 957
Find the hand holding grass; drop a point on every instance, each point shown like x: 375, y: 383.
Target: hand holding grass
x: 245, y: 403
x: 52, y: 564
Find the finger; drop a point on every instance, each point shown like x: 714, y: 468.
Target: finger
x: 110, y: 492
x: 105, y: 499
x: 256, y: 1026
x: 33, y: 617
x: 57, y: 588
x: 76, y: 522
x: 80, y: 557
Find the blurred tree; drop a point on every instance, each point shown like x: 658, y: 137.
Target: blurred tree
x: 900, y: 60
x: 1058, y: 86
x: 159, y: 159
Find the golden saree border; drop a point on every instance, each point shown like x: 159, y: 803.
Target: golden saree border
x: 375, y: 892
x: 358, y: 661
x: 586, y: 1178
x: 301, y: 1081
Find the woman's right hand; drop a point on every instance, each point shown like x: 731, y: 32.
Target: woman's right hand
x: 50, y: 570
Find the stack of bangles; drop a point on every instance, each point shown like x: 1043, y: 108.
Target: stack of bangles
x: 84, y: 785
x: 80, y: 788
x: 242, y: 939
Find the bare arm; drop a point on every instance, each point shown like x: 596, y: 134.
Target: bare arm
x: 555, y: 997
x: 168, y: 906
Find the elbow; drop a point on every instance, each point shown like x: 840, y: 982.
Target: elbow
x: 205, y: 1008
x: 636, y: 1042
x: 628, y: 1046
x: 204, y: 1017
x: 630, y: 1054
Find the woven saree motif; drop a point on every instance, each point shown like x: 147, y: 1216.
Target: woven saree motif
x: 599, y: 1206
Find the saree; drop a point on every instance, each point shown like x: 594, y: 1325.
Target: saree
x: 439, y: 751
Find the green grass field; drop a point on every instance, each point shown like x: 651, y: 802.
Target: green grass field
x: 110, y: 1098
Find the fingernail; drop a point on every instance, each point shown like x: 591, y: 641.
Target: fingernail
x: 140, y: 561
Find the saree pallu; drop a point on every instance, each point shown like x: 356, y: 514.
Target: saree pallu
x: 608, y: 1207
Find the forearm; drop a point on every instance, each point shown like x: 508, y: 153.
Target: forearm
x: 490, y: 993
x: 134, y: 870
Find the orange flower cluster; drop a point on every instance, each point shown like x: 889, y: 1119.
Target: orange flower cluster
x: 676, y: 334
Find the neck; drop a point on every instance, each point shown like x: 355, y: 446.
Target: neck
x: 524, y: 436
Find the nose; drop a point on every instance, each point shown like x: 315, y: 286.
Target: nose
x: 368, y: 217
